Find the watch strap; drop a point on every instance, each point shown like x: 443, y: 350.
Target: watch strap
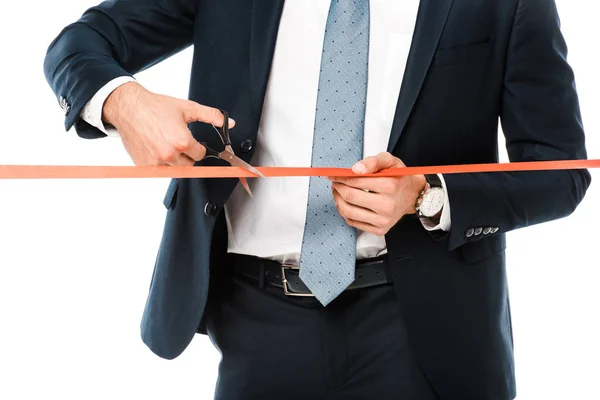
x: 433, y: 180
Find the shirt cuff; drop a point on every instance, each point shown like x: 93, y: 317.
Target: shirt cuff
x: 445, y: 222
x: 92, y: 111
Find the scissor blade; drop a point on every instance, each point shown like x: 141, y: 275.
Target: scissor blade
x: 238, y: 162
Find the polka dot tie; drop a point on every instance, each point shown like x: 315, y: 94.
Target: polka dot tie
x: 328, y: 256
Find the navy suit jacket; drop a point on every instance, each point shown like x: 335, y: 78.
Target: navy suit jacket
x: 471, y: 64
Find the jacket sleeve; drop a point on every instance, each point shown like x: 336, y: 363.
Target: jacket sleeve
x: 115, y: 38
x: 541, y: 120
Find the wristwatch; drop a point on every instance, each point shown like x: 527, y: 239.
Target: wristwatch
x: 431, y: 199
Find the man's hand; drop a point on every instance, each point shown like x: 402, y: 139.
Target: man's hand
x: 373, y: 204
x: 154, y: 128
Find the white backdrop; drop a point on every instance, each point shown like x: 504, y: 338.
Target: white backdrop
x: 76, y: 257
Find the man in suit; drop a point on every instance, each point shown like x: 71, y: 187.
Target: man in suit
x: 348, y: 288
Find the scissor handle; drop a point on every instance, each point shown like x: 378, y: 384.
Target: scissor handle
x: 209, y: 152
x: 224, y: 130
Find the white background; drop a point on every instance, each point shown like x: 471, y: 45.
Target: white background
x: 76, y: 257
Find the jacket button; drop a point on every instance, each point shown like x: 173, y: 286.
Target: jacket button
x: 64, y: 104
x: 246, y: 145
x: 210, y: 209
x: 469, y: 232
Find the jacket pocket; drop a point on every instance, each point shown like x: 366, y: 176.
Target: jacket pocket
x: 171, y: 195
x: 462, y: 55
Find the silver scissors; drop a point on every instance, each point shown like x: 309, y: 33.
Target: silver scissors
x: 227, y: 154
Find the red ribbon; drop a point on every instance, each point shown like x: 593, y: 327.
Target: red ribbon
x: 111, y: 172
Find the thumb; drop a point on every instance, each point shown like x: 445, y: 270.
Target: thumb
x: 374, y: 164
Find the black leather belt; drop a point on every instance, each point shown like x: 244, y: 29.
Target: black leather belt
x: 369, y: 272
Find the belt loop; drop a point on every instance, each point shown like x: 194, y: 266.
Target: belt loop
x: 261, y: 275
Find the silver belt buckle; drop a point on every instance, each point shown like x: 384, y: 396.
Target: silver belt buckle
x: 284, y: 280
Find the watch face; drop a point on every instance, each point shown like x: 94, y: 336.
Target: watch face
x: 433, y: 202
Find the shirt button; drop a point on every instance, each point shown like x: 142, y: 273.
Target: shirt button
x: 210, y: 209
x: 246, y: 145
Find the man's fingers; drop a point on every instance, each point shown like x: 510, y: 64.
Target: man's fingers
x: 385, y: 185
x: 183, y: 160
x: 374, y: 230
x: 353, y: 212
x: 181, y: 143
x: 365, y: 166
x: 180, y: 160
x: 192, y: 148
x: 374, y: 164
x: 194, y: 112
x: 171, y: 154
x: 196, y: 151
x: 358, y: 197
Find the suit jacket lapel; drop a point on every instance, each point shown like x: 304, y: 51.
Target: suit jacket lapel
x: 430, y: 24
x: 266, y: 15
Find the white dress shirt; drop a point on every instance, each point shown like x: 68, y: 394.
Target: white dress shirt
x: 271, y: 224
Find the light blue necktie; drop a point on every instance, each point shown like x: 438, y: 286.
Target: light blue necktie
x: 328, y: 256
